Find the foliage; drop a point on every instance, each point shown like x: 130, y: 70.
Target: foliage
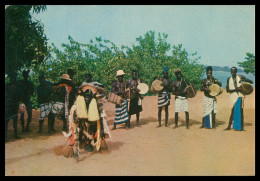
x: 249, y: 64
x: 102, y: 58
x: 25, y: 41
x: 150, y: 55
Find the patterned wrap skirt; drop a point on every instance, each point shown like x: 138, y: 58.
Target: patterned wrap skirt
x: 121, y: 113
x: 164, y: 99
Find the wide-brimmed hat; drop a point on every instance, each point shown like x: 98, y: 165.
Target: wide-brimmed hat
x: 65, y: 76
x: 120, y: 72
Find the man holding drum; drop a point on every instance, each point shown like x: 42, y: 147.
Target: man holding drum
x: 181, y: 101
x: 237, y: 99
x: 164, y: 96
x: 119, y: 88
x: 135, y: 103
x: 209, y: 101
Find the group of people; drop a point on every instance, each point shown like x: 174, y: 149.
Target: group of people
x: 178, y: 88
x: 16, y: 92
x: 66, y: 93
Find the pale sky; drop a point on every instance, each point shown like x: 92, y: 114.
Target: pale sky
x: 220, y: 34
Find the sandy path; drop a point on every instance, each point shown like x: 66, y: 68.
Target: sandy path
x: 145, y: 150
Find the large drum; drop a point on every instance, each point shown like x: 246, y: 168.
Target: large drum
x: 156, y: 86
x: 191, y: 91
x: 143, y: 87
x: 247, y: 88
x: 115, y: 99
x: 215, y: 90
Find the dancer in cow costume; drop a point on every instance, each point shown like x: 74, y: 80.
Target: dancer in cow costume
x: 87, y: 124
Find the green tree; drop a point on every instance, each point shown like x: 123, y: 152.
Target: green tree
x: 249, y: 64
x: 153, y: 52
x: 102, y: 58
x: 25, y: 41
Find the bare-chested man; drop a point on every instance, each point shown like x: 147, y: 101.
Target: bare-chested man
x: 119, y: 88
x: 164, y: 96
x: 135, y: 103
x: 209, y: 102
x: 181, y: 101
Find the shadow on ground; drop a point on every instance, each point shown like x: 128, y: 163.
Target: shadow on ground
x: 105, y: 148
x: 34, y: 127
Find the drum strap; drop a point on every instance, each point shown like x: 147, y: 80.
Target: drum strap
x: 125, y: 89
x: 190, y: 86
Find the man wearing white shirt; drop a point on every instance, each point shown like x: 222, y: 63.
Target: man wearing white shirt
x: 237, y: 99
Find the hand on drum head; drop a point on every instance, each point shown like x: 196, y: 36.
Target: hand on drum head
x: 207, y: 90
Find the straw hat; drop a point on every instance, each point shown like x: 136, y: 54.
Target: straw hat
x: 120, y: 72
x: 65, y: 76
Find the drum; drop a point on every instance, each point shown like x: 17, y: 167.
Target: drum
x: 247, y: 88
x: 191, y: 91
x: 156, y: 86
x: 215, y: 90
x: 115, y: 99
x: 221, y: 91
x: 143, y: 88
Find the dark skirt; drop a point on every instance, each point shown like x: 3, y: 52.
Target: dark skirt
x: 134, y: 107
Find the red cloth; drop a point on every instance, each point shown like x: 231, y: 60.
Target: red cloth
x: 69, y: 87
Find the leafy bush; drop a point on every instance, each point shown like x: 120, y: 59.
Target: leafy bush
x: 249, y: 64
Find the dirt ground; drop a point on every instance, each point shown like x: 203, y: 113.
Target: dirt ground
x: 144, y: 150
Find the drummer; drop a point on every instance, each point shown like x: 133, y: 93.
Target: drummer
x: 209, y: 102
x: 237, y: 99
x: 119, y: 88
x: 164, y: 96
x: 181, y: 101
x: 135, y: 104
